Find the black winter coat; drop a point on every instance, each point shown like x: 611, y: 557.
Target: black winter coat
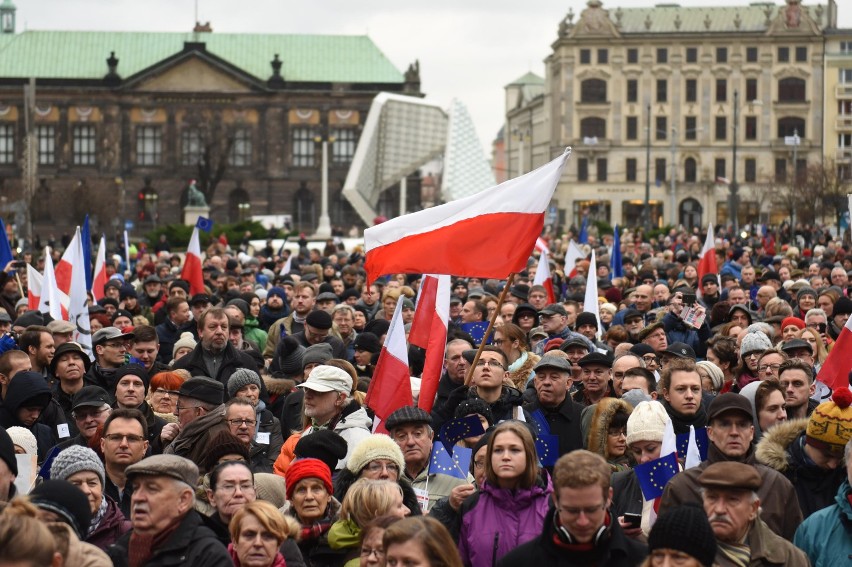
x: 626, y: 494
x: 21, y: 392
x: 565, y: 422
x: 232, y: 359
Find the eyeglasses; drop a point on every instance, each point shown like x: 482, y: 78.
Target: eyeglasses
x: 118, y: 438
x: 498, y: 342
x: 239, y: 422
x: 573, y: 512
x: 164, y: 392
x: 768, y: 367
x: 118, y: 345
x: 366, y: 552
x: 755, y: 354
x: 83, y: 415
x: 179, y: 407
x: 479, y: 465
x: 650, y: 358
x: 491, y: 363
x: 375, y: 467
x: 617, y: 432
x: 232, y: 488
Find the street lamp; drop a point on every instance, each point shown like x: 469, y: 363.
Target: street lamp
x: 733, y: 198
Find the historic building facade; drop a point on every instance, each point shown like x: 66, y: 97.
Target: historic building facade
x: 681, y: 103
x: 120, y: 122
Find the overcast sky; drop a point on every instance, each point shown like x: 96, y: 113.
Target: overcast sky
x: 468, y: 49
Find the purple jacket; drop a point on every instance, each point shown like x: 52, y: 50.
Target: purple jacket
x: 501, y: 519
x: 112, y: 526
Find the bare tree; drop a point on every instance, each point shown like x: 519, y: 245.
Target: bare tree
x: 823, y: 183
x: 214, y: 158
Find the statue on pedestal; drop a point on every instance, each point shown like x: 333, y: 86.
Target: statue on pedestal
x: 194, y: 197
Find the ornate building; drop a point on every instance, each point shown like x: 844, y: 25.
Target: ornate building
x: 120, y: 122
x: 684, y: 105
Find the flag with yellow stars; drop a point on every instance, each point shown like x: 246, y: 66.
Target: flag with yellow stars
x: 654, y: 475
x: 457, y: 464
x: 460, y: 428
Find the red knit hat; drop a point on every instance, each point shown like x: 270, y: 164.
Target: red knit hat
x: 792, y: 321
x: 307, y: 468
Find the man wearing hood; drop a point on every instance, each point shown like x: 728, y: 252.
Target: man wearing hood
x: 26, y: 397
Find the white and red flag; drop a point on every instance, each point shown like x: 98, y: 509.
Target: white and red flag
x: 541, y: 245
x: 34, y: 285
x: 390, y: 388
x: 590, y: 301
x: 543, y: 276
x: 487, y: 235
x: 572, y: 256
x: 836, y: 368
x: 52, y: 301
x: 192, y: 265
x: 429, y: 331
x: 100, y: 277
x: 71, y: 280
x: 707, y: 263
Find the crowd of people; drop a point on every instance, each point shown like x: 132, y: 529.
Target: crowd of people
x: 230, y: 426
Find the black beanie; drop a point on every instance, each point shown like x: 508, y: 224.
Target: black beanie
x: 136, y: 370
x: 685, y: 528
x: 65, y: 500
x: 325, y: 445
x: 586, y: 318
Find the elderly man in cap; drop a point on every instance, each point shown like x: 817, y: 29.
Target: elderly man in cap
x: 731, y: 499
x: 553, y: 411
x: 110, y: 346
x: 411, y: 429
x: 69, y: 365
x: 62, y: 331
x: 201, y: 416
x: 90, y: 408
x: 730, y: 431
x: 329, y: 405
x: 596, y: 376
x: 166, y: 528
x: 153, y: 297
x: 809, y: 452
x: 554, y: 321
x: 318, y: 330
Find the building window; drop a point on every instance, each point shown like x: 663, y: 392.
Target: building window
x: 791, y: 126
x: 632, y: 90
x: 845, y: 75
x: 690, y: 130
x: 691, y: 90
x: 783, y: 54
x: 603, y: 56
x: 83, y: 145
x: 241, y: 148
x: 692, y: 55
x: 660, y: 169
x: 630, y: 169
x: 191, y: 146
x: 593, y: 127
x: 846, y: 47
x: 751, y: 89
x: 585, y: 56
x: 46, y: 136
x: 632, y: 128
x: 721, y: 55
x: 721, y: 128
x: 662, y: 90
x: 721, y: 90
x: 149, y: 145
x: 720, y: 168
x: 751, y: 128
x: 751, y: 55
x: 593, y: 90
x: 632, y: 55
x: 802, y: 54
x: 780, y: 170
x: 343, y: 148
x: 662, y: 55
x: 7, y: 143
x: 601, y: 169
x: 750, y: 170
x: 582, y: 169
x: 791, y: 89
x: 304, y: 147
x: 690, y: 170
x: 662, y: 128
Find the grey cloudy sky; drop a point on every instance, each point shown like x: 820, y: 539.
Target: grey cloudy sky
x: 468, y: 49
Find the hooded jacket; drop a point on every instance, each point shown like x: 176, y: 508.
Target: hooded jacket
x: 782, y: 448
x: 826, y: 536
x: 605, y: 412
x: 495, y: 520
x: 21, y: 392
x: 353, y: 425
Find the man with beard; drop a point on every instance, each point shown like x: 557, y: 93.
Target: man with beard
x: 153, y: 287
x: 276, y: 307
x: 37, y: 342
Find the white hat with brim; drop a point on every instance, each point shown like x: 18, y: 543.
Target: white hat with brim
x: 325, y: 378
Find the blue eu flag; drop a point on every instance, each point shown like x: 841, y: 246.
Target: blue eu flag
x: 700, y: 440
x: 477, y: 331
x: 547, y: 447
x: 441, y: 462
x: 459, y: 428
x: 205, y: 224
x: 616, y: 268
x: 653, y: 476
x: 5, y: 248
x: 44, y: 471
x: 584, y: 231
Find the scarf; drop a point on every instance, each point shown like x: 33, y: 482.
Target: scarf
x: 681, y: 422
x: 583, y: 552
x: 142, y: 547
x: 98, y: 517
x: 311, y: 532
x: 736, y: 553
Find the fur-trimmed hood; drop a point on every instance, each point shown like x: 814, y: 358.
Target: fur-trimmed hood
x: 279, y: 386
x: 772, y: 449
x: 605, y: 410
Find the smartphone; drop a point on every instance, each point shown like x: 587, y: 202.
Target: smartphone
x: 19, y: 264
x: 633, y: 520
x: 688, y: 298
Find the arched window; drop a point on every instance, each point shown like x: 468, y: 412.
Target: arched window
x: 593, y: 127
x: 239, y: 205
x: 791, y: 89
x: 690, y: 213
x: 790, y: 126
x: 689, y: 170
x: 593, y: 90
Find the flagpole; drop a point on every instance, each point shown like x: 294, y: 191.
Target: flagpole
x: 490, y: 328
x: 20, y: 285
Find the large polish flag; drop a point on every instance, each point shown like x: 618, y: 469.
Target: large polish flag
x: 835, y: 370
x: 100, y: 277
x: 487, y: 235
x: 572, y: 256
x: 429, y: 331
x: 390, y: 388
x: 52, y: 300
x: 192, y: 265
x: 543, y: 276
x: 590, y: 301
x: 707, y: 264
x: 71, y: 280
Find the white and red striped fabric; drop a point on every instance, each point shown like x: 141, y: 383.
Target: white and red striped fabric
x: 487, y: 235
x: 541, y: 245
x: 572, y: 256
x: 390, y: 388
x: 192, y: 265
x: 836, y: 368
x: 429, y: 331
x: 590, y: 301
x: 100, y: 277
x: 543, y: 276
x: 34, y: 284
x: 707, y: 264
x: 52, y: 301
x: 71, y: 280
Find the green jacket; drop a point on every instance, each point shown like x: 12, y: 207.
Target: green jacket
x: 346, y: 535
x: 252, y: 332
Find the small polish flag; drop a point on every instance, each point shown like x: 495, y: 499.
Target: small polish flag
x: 34, y: 285
x: 707, y: 263
x: 541, y: 245
x: 543, y: 277
x: 429, y: 331
x: 835, y: 370
x: 100, y: 277
x: 192, y: 265
x: 390, y: 388
x: 590, y: 302
x: 574, y: 255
